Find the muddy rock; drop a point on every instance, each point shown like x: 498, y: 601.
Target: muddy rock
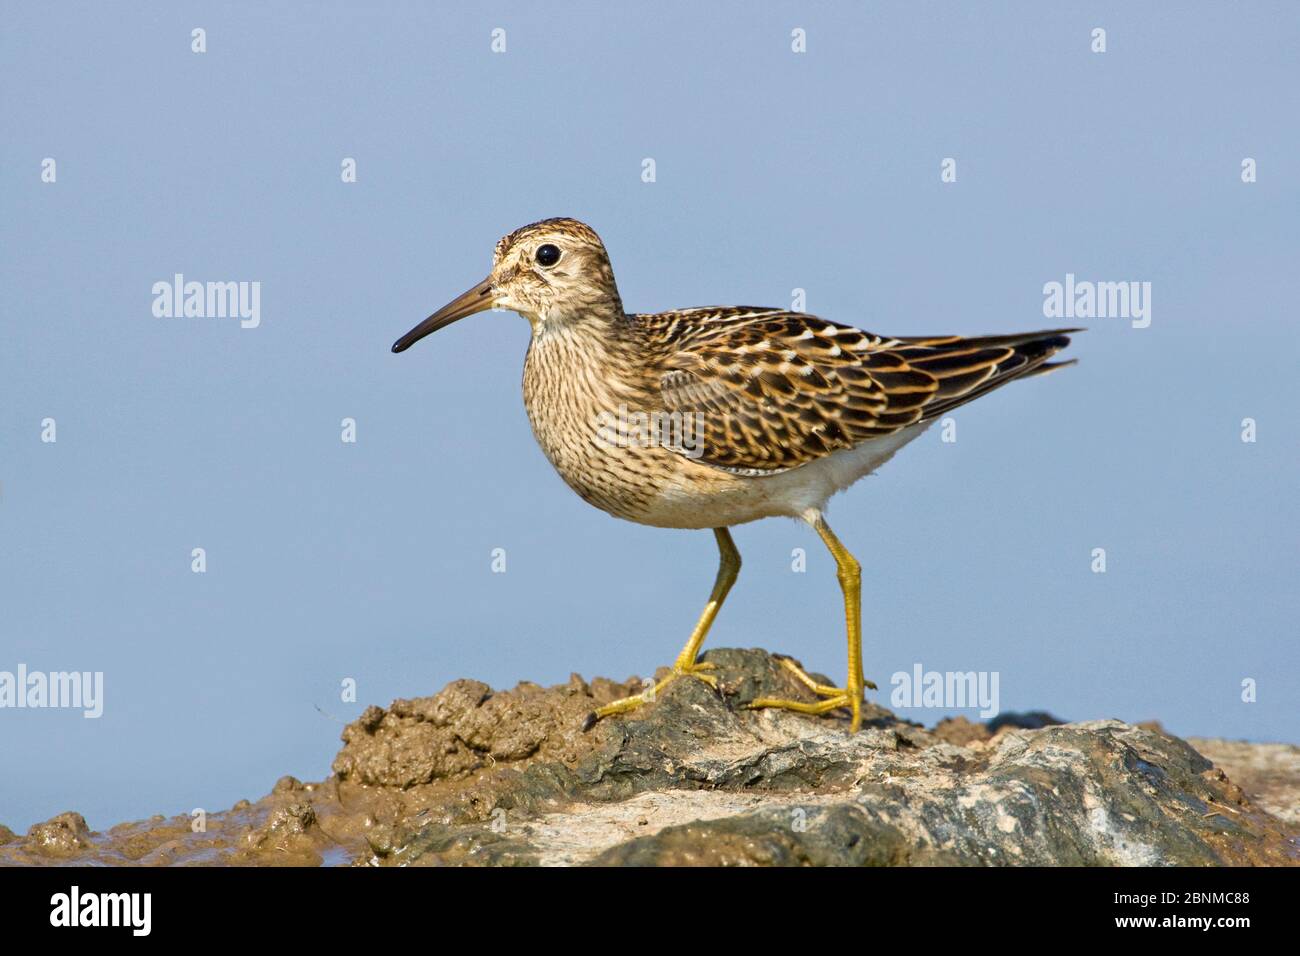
x: 473, y: 776
x: 287, y: 784
x: 466, y: 727
x: 1270, y: 773
x: 63, y: 835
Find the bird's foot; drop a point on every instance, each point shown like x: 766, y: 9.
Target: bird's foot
x: 697, y: 669
x: 822, y: 690
x: 834, y: 698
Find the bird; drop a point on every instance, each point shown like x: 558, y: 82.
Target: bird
x: 712, y: 417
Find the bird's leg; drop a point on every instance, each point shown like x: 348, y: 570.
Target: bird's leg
x: 849, y: 573
x: 686, y: 665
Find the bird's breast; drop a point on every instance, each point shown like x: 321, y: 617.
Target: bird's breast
x: 574, y: 390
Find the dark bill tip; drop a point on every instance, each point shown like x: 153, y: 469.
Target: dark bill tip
x: 477, y: 299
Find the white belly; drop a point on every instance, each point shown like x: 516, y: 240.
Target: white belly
x: 733, y: 499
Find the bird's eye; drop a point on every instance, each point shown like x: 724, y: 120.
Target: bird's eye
x: 547, y: 255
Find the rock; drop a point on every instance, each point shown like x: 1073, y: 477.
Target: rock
x: 716, y: 784
x: 294, y: 818
x: 960, y: 731
x: 1030, y: 720
x: 1270, y: 773
x: 60, y: 836
x: 472, y: 776
x: 287, y: 784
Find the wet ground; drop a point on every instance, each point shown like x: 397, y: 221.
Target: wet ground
x: 470, y: 775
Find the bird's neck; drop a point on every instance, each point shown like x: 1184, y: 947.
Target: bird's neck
x: 591, y: 361
x: 601, y: 333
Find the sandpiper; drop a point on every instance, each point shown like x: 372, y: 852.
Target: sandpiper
x: 791, y: 408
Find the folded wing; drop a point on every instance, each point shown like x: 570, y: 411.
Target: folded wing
x: 775, y: 390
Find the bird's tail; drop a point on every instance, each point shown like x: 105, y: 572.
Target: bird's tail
x: 970, y: 367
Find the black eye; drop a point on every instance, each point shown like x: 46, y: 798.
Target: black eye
x: 547, y: 255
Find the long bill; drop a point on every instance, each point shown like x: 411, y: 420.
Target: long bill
x: 477, y: 299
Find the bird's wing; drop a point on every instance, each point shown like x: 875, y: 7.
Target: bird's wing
x: 773, y: 390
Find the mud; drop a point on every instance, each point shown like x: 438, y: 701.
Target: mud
x: 472, y: 776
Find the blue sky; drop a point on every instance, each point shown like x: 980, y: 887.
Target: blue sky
x: 774, y: 171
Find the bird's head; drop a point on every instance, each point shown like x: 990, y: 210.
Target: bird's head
x: 550, y: 272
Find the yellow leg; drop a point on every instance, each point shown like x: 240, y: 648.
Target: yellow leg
x: 686, y: 665
x: 849, y: 573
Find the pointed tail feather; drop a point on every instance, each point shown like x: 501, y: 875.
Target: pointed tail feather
x: 970, y: 367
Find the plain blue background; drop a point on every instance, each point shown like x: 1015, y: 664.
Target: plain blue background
x: 775, y: 171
